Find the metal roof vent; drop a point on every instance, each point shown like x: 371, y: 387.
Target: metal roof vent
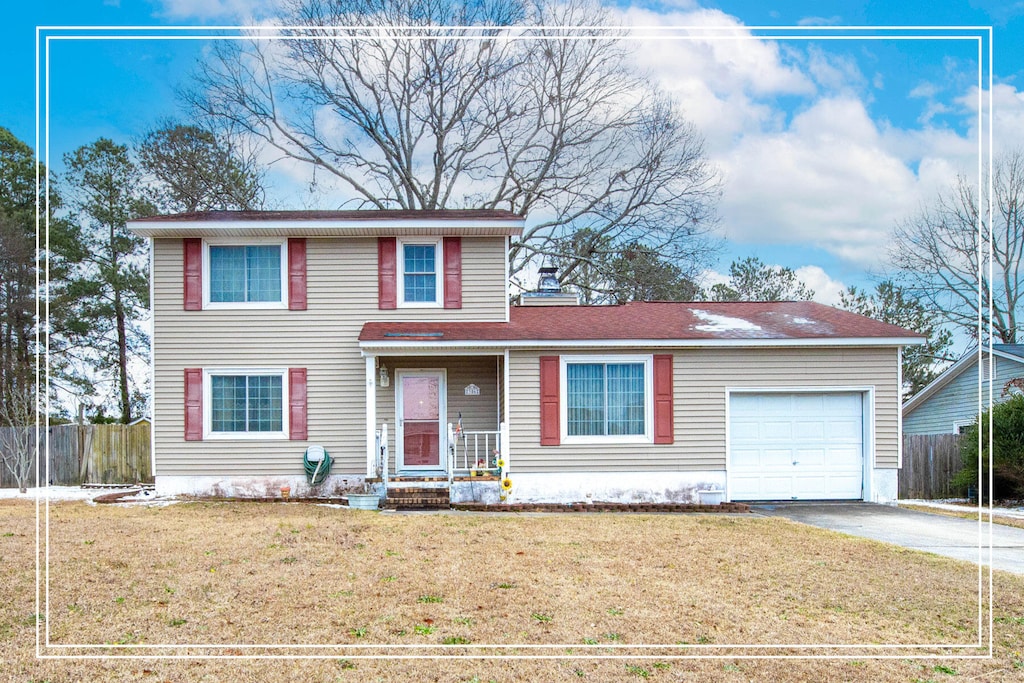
x: 549, y: 291
x: 548, y: 282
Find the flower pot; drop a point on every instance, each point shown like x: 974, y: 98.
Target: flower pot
x: 363, y: 501
x: 286, y: 492
x: 711, y: 497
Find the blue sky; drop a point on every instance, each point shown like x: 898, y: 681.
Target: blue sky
x: 823, y: 144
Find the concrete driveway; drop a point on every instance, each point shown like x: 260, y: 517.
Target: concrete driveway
x: 949, y: 536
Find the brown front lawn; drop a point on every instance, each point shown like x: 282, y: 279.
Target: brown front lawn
x: 263, y: 574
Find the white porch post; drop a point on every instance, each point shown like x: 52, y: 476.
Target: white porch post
x: 371, y: 416
x: 504, y: 419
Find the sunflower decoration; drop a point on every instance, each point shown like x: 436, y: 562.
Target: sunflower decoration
x: 506, y: 484
x: 501, y: 463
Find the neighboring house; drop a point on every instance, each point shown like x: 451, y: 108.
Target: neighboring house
x: 274, y: 331
x: 951, y: 401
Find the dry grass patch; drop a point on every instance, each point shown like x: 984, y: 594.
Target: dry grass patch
x: 967, y: 513
x: 209, y: 573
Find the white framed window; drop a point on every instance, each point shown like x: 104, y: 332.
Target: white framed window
x: 249, y: 274
x: 960, y: 426
x: 607, y: 399
x: 420, y: 283
x: 245, y: 403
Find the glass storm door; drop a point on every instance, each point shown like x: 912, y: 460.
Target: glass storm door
x: 420, y: 403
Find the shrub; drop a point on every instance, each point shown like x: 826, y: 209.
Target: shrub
x: 1007, y: 451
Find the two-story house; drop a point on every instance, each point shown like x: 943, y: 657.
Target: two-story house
x: 277, y: 331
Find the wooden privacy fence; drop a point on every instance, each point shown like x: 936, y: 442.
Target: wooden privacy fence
x: 929, y: 463
x: 93, y: 454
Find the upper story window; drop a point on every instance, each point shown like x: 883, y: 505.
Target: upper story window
x: 250, y: 275
x: 419, y: 277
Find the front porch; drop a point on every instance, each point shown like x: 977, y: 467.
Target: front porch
x: 436, y: 422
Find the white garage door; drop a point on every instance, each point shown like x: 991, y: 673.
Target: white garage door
x: 801, y: 446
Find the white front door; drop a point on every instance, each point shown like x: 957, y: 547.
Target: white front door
x: 796, y: 446
x: 420, y: 416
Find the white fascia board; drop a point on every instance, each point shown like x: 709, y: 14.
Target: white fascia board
x: 426, y: 346
x: 327, y: 228
x: 1007, y: 356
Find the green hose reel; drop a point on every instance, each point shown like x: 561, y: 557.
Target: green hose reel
x: 317, y: 464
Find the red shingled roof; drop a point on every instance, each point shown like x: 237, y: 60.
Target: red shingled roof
x: 651, y: 321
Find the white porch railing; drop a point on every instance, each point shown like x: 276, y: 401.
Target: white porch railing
x: 475, y: 450
x: 466, y: 451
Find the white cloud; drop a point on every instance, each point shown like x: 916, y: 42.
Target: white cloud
x: 832, y: 177
x: 826, y: 182
x: 1007, y: 115
x: 924, y: 90
x: 723, y: 84
x: 240, y: 11
x: 834, y: 20
x: 826, y: 290
x: 835, y: 73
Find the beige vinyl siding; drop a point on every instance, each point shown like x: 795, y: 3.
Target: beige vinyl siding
x: 342, y: 295
x: 700, y: 379
x: 479, y: 413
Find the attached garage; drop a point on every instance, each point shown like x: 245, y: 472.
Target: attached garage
x: 797, y: 445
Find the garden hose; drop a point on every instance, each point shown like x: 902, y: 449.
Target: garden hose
x: 316, y: 472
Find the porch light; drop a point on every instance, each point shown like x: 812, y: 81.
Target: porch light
x: 383, y: 379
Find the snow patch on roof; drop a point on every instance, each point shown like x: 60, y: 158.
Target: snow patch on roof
x: 804, y: 321
x: 722, y: 323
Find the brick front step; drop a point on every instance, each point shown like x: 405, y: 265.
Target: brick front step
x: 416, y: 504
x: 418, y: 492
x: 602, y: 507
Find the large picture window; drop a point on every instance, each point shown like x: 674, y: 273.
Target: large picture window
x: 246, y: 274
x: 420, y: 271
x: 607, y: 398
x: 249, y: 403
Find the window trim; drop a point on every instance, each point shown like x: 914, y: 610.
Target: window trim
x: 282, y: 243
x: 648, y: 362
x: 438, y: 245
x: 209, y: 434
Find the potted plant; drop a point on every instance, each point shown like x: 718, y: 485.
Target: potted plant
x: 364, y: 500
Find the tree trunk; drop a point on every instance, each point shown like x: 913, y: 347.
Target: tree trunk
x: 122, y: 359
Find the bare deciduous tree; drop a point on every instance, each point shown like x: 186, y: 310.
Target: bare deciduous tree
x: 945, y: 264
x: 18, y: 435
x: 505, y: 114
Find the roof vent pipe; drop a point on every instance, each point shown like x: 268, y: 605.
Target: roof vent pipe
x: 548, y: 282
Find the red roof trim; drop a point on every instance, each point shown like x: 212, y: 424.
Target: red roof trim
x: 374, y: 215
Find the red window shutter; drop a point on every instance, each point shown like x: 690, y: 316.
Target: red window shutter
x: 297, y: 404
x: 550, y: 414
x: 387, y: 272
x: 664, y: 417
x: 453, y: 272
x: 297, y: 273
x: 193, y: 404
x: 193, y: 270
